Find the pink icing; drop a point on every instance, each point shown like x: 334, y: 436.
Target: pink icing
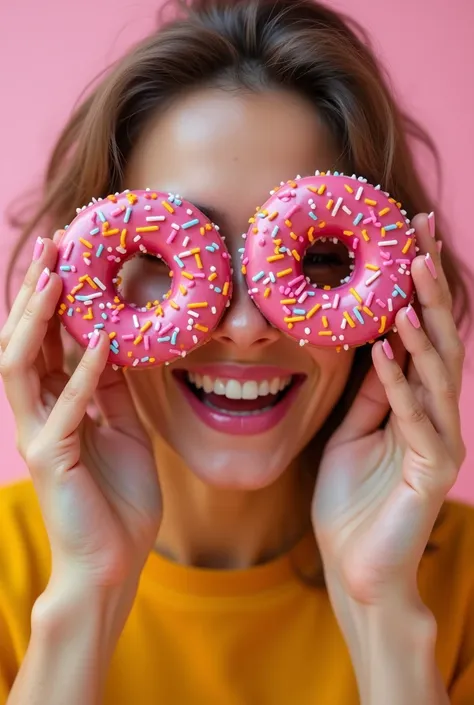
x: 371, y: 225
x: 108, y: 232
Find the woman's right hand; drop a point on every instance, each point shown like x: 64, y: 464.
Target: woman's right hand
x: 97, y: 485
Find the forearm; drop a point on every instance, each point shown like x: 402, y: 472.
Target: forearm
x: 74, y: 633
x: 392, y: 648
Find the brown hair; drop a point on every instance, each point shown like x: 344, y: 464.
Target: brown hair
x: 296, y: 45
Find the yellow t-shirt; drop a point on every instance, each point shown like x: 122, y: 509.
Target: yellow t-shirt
x: 245, y: 637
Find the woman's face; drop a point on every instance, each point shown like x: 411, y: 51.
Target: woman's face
x: 224, y: 151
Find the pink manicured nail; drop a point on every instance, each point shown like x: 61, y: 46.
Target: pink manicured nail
x: 43, y: 279
x: 432, y: 224
x: 439, y: 245
x: 39, y: 247
x: 94, y: 339
x: 412, y: 317
x: 431, y: 266
x: 387, y: 348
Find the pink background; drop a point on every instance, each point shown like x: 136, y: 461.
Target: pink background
x: 49, y: 51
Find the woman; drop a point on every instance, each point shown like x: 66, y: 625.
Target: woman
x: 160, y: 557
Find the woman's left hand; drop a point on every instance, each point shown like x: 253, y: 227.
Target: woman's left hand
x: 379, y: 490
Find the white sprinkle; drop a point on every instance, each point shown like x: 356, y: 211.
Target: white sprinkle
x: 387, y: 243
x: 371, y: 279
x: 359, y: 193
x: 135, y: 321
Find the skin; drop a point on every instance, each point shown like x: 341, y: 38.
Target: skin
x: 230, y: 504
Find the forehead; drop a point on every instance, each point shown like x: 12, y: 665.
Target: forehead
x: 226, y: 150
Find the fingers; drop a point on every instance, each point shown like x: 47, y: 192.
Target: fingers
x: 18, y: 364
x: 72, y: 404
x: 115, y: 402
x: 440, y: 395
x: 425, y: 228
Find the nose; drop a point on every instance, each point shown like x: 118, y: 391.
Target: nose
x: 243, y: 326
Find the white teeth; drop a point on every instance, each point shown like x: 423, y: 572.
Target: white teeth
x: 233, y: 389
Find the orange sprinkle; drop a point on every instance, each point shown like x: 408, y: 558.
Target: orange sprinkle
x: 174, y: 305
x: 108, y: 233
x: 294, y: 319
x: 287, y: 302
x: 321, y: 189
x: 356, y: 295
x: 365, y: 235
x: 188, y: 275
x: 183, y: 290
x: 284, y: 272
x: 273, y: 215
x: 212, y: 276
x: 288, y: 223
x: 225, y: 289
x: 145, y: 327
x: 293, y: 236
x: 367, y: 311
x: 132, y: 198
x: 383, y: 322
x: 384, y: 211
x: 147, y: 229
x: 330, y: 204
x: 382, y: 232
x: 322, y: 224
x: 123, y: 236
x: 407, y: 245
x: 325, y: 332
x: 168, y: 206
x: 199, y: 304
x: 325, y: 321
x: 349, y: 319
x: 120, y: 307
x: 198, y: 261
x: 112, y: 335
x: 372, y: 267
x: 86, y: 243
x: 77, y: 288
x: 89, y: 315
x: 311, y: 313
x: 296, y: 255
x: 348, y: 188
x: 198, y: 326
x: 275, y: 258
x: 312, y: 188
x: 310, y: 234
x: 138, y: 339
x: 370, y: 202
x: 112, y: 198
x: 348, y: 232
x: 267, y: 292
x: 243, y: 269
x: 158, y: 311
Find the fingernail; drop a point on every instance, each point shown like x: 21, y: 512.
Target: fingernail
x: 412, y: 317
x: 94, y: 339
x: 439, y: 245
x: 431, y: 266
x: 43, y: 279
x: 39, y: 247
x: 387, y: 348
x: 432, y: 224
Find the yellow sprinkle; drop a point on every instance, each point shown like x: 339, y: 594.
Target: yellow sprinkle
x: 310, y: 234
x: 382, y: 232
x: 372, y: 267
x: 367, y: 311
x: 293, y: 236
x: 311, y: 313
x: 383, y: 321
x: 112, y: 198
x: 325, y: 332
x: 349, y: 319
x: 275, y: 258
x: 284, y: 272
x: 202, y: 230
x: 325, y: 321
x: 370, y: 202
x: 77, y: 288
x: 293, y: 184
x: 399, y: 224
x: 116, y: 298
x: 321, y: 189
x: 112, y: 335
x: 120, y: 307
x: 355, y: 295
x: 312, y: 188
x: 287, y: 302
x: 198, y: 326
x: 296, y: 255
x: 147, y: 229
x: 108, y: 233
x: 86, y: 243
x: 199, y: 304
x: 130, y: 354
x: 174, y: 305
x: 145, y: 327
x: 123, y: 236
x: 187, y: 275
x: 327, y: 287
x: 273, y: 215
x: 365, y: 235
x: 294, y: 319
x: 198, y: 261
x: 243, y: 269
x: 330, y: 204
x: 348, y: 232
x: 89, y: 315
x: 86, y: 254
x: 225, y: 289
x: 158, y: 311
x: 407, y: 245
x: 255, y: 230
x: 348, y: 188
x: 384, y: 211
x: 290, y: 326
x: 212, y: 276
x: 267, y: 292
x: 105, y: 226
x: 288, y: 223
x: 168, y: 206
x: 152, y: 360
x: 138, y: 339
x: 61, y: 311
x: 132, y: 198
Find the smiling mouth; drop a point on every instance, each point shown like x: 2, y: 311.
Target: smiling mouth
x: 238, y: 398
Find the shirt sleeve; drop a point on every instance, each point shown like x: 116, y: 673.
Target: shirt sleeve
x: 461, y: 691
x: 8, y: 660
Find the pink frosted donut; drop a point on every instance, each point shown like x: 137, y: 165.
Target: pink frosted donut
x: 111, y: 230
x: 381, y: 244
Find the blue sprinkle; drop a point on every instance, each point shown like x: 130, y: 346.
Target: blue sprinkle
x: 128, y: 213
x: 102, y: 216
x: 358, y: 315
x: 70, y: 311
x: 209, y: 248
x: 313, y: 215
x: 190, y: 223
x: 299, y: 312
x: 100, y: 249
x: 99, y: 325
x: 144, y: 359
x: 258, y: 276
x: 171, y: 198
x: 217, y: 290
x: 390, y: 227
x: 261, y: 215
x: 95, y: 231
x: 272, y: 277
x: 400, y: 291
x: 358, y: 219
x: 215, y: 245
x: 114, y: 350
x: 394, y: 293
x: 178, y: 261
x: 104, y: 316
x: 275, y: 231
x: 173, y: 337
x: 166, y: 339
x: 65, y: 268
x: 311, y: 293
x: 115, y: 343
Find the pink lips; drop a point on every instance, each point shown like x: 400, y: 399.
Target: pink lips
x: 251, y: 424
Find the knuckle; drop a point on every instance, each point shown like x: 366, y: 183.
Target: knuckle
x: 4, y: 339
x: 448, y: 388
x: 70, y: 393
x: 34, y: 455
x: 416, y: 414
x: 398, y: 377
x: 29, y: 312
x: 426, y: 344
x: 458, y: 350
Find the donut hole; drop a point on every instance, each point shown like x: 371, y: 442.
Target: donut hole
x: 328, y: 262
x: 143, y: 279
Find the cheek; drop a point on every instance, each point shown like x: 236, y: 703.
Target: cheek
x: 144, y: 280
x: 330, y: 373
